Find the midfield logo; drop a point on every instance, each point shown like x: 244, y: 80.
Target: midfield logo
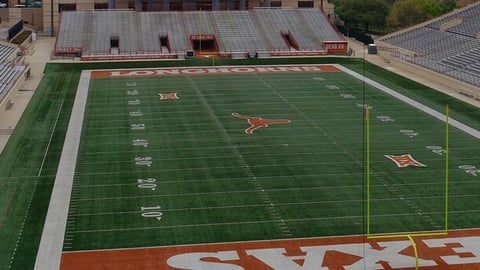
x: 168, y: 96
x: 258, y: 122
x: 405, y: 160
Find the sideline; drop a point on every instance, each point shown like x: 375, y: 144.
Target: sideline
x: 37, y: 55
x: 429, y: 81
x: 51, y: 243
x: 440, y: 116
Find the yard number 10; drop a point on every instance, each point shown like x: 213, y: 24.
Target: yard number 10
x: 152, y: 212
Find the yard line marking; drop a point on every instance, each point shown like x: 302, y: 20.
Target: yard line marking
x: 50, y: 139
x: 440, y: 116
x: 20, y: 234
x: 258, y: 192
x: 311, y: 219
x: 216, y: 207
x: 53, y: 130
x: 227, y: 167
x: 248, y: 171
x: 339, y: 175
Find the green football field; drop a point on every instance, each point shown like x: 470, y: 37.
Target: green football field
x: 164, y: 162
x: 178, y: 160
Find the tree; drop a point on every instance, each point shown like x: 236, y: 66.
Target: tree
x: 365, y: 12
x: 405, y: 13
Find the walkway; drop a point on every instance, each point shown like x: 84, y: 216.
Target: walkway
x: 37, y: 55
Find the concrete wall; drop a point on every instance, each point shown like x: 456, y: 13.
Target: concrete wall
x: 32, y: 16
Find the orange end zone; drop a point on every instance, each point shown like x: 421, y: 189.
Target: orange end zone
x: 126, y: 73
x: 457, y: 250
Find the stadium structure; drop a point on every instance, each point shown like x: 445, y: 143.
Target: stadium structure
x: 44, y: 15
x: 104, y: 35
x: 239, y: 135
x: 449, y: 45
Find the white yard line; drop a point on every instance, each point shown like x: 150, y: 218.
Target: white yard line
x: 50, y: 139
x: 51, y: 243
x: 440, y: 116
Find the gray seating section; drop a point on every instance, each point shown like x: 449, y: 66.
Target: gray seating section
x: 469, y: 18
x: 8, y: 75
x: 236, y: 31
x: 451, y: 49
x: 71, y: 33
x: 319, y: 23
x: 150, y: 41
x: 106, y: 25
x: 5, y: 52
x: 154, y: 25
x: 308, y: 27
x: 272, y: 28
x: 197, y: 22
x: 9, y: 72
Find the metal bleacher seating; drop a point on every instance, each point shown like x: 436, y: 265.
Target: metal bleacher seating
x: 108, y: 25
x: 308, y: 27
x: 172, y: 23
x: 198, y: 23
x: 237, y: 32
x: 449, y: 45
x: 72, y: 29
x: 9, y: 72
x: 152, y: 28
x: 318, y: 21
x: 258, y: 30
x: 272, y: 28
x: 5, y: 52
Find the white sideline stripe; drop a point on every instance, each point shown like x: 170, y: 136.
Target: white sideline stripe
x: 51, y: 137
x: 51, y: 244
x: 440, y: 116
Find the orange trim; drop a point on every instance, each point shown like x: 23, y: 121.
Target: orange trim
x: 240, y: 256
x: 211, y: 70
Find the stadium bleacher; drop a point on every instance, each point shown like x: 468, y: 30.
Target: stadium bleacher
x: 448, y: 45
x: 9, y: 71
x: 166, y: 34
x: 237, y: 32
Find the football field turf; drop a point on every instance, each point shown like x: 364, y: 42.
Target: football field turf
x: 206, y: 158
x: 192, y: 156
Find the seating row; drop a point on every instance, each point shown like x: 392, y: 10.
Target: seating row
x: 449, y: 48
x: 241, y: 30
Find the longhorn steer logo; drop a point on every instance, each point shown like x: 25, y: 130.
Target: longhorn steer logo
x: 258, y: 122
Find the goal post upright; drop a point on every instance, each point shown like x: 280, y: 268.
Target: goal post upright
x: 367, y: 120
x: 447, y: 150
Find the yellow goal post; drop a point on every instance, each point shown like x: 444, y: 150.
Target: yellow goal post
x: 411, y: 235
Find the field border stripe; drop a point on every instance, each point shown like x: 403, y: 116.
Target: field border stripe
x: 212, y: 70
x: 51, y: 243
x: 440, y: 116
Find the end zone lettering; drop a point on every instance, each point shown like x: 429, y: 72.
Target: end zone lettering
x: 212, y: 70
x: 458, y: 250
